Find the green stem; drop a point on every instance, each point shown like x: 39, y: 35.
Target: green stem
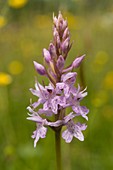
x: 58, y: 148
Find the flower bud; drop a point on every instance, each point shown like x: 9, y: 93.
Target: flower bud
x: 60, y: 22
x: 65, y: 34
x: 55, y: 32
x: 60, y: 18
x: 65, y: 44
x: 56, y: 37
x: 39, y: 68
x: 55, y: 20
x: 46, y: 55
x: 76, y: 63
x: 60, y: 63
x: 64, y: 24
x: 58, y: 42
x: 52, y: 50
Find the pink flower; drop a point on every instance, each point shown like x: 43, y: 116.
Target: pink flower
x: 73, y: 130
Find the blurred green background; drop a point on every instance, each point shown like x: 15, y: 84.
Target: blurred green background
x: 25, y: 29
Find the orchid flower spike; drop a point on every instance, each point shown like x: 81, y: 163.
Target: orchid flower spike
x: 61, y: 92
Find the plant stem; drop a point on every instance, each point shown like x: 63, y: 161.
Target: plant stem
x: 58, y: 148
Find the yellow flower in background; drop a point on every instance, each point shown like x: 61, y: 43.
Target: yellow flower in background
x: 15, y: 67
x: 3, y: 21
x: 108, y: 81
x: 17, y: 3
x: 5, y: 79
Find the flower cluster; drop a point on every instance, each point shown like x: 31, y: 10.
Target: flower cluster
x: 61, y: 92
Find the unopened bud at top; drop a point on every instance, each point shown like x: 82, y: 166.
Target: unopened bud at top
x: 65, y: 24
x: 55, y: 32
x: 66, y: 34
x: 56, y: 37
x: 65, y: 44
x: 59, y: 22
x: 60, y: 18
x: 55, y: 20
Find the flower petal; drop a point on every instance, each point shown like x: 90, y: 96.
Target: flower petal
x: 40, y: 132
x: 78, y: 134
x: 68, y: 117
x: 81, y: 110
x: 69, y: 78
x: 67, y: 136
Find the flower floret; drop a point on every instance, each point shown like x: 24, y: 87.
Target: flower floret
x: 73, y: 130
